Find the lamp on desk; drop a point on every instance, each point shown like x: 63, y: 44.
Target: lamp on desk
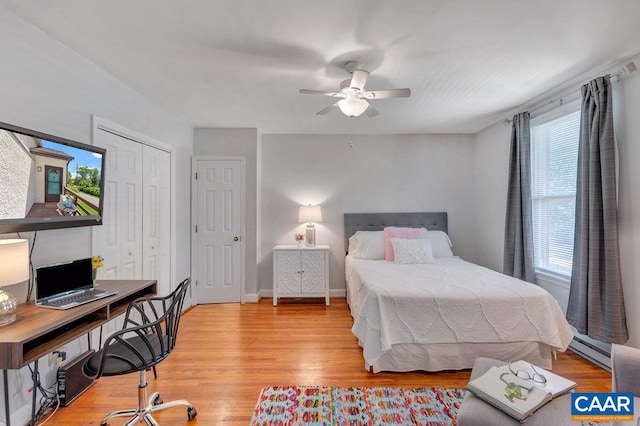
x: 14, y: 269
x: 310, y: 214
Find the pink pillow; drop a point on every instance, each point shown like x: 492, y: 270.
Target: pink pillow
x: 393, y: 232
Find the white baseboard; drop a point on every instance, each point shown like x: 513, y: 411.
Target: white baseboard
x: 337, y: 292
x: 252, y: 297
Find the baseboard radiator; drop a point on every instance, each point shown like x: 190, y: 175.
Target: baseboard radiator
x: 592, y: 350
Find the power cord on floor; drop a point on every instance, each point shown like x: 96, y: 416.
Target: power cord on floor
x: 52, y: 410
x: 49, y: 401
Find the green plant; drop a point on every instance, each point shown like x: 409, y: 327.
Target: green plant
x: 91, y: 190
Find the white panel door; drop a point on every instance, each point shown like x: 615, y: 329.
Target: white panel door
x: 219, y: 244
x: 156, y: 205
x: 119, y: 239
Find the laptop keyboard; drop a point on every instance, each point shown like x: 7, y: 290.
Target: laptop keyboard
x: 85, y: 296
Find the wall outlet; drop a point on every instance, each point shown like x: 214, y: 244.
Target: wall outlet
x: 53, y: 359
x: 56, y: 358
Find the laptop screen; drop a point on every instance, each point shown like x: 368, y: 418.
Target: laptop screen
x: 63, y: 277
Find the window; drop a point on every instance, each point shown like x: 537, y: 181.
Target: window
x: 554, y: 164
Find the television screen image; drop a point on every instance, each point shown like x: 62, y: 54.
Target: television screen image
x: 48, y: 182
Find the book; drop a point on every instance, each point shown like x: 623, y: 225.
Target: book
x: 505, y: 388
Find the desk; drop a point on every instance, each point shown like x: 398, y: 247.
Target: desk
x: 39, y: 331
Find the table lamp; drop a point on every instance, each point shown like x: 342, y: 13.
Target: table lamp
x: 14, y: 269
x: 310, y: 214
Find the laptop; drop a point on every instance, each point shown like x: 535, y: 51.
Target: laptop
x: 68, y: 284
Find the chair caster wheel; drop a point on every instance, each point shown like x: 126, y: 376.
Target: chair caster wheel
x: 158, y: 400
x: 192, y: 412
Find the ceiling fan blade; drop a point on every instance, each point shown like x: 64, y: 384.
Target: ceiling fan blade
x: 371, y: 111
x: 359, y: 79
x: 328, y: 109
x: 389, y: 93
x: 320, y: 92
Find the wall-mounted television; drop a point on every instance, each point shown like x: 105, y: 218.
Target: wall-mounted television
x: 48, y: 182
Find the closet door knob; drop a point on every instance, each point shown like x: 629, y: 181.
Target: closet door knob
x: 236, y: 238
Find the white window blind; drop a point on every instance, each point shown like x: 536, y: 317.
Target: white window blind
x: 554, y: 164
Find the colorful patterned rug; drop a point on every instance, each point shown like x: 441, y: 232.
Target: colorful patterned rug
x: 299, y: 405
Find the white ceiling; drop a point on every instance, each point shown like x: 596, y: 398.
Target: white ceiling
x: 240, y: 63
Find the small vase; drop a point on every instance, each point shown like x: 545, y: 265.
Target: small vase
x: 300, y: 242
x: 94, y: 272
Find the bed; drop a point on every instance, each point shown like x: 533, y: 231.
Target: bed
x: 444, y: 314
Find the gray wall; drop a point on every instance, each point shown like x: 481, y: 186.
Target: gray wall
x: 627, y: 128
x: 242, y: 143
x: 47, y: 87
x: 491, y: 175
x: 492, y: 162
x: 362, y: 173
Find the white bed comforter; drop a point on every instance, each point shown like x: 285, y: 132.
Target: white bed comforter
x: 450, y: 301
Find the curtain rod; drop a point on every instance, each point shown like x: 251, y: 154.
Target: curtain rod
x: 627, y: 69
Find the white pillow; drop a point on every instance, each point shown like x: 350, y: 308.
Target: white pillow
x: 412, y: 250
x: 367, y: 245
x: 440, y: 243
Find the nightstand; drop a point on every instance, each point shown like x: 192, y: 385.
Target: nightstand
x: 300, y: 272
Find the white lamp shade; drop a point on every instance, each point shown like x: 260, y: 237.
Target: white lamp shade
x: 353, y: 107
x: 14, y: 261
x: 310, y: 214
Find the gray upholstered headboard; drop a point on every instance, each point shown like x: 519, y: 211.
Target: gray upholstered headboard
x: 353, y: 222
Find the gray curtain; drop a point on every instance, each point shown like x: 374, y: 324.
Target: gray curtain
x: 596, y: 303
x: 518, y: 234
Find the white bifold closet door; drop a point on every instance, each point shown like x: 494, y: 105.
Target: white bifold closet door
x: 134, y: 239
x: 156, y: 207
x: 119, y: 239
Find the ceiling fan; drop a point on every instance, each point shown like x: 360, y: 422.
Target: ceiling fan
x: 355, y: 98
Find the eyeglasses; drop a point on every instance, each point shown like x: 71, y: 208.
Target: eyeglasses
x: 523, y: 374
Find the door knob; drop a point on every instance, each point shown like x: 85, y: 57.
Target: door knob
x: 236, y: 238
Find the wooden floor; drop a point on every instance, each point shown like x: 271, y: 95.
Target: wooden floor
x: 226, y: 353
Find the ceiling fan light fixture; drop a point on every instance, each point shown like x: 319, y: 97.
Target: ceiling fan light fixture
x: 353, y: 95
x: 353, y: 107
